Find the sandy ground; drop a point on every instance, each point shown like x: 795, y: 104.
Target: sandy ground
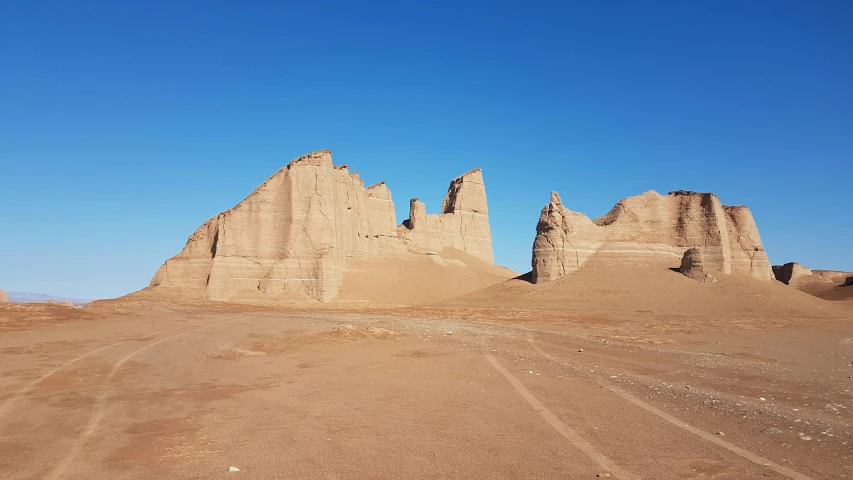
x: 152, y: 391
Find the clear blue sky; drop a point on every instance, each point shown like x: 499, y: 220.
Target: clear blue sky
x: 125, y: 125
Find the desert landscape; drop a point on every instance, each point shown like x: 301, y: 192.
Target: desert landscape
x: 303, y: 333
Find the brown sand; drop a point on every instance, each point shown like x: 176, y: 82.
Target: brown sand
x: 408, y: 279
x: 669, y: 384
x: 834, y: 291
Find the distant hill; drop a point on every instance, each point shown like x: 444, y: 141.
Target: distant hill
x: 25, y: 297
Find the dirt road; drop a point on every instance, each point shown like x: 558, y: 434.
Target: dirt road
x: 181, y: 394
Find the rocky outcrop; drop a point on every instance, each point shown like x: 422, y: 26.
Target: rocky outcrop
x: 695, y: 265
x: 792, y: 273
x: 61, y: 303
x: 649, y: 227
x: 797, y: 275
x: 4, y: 298
x: 295, y: 232
x: 463, y: 223
x: 848, y: 282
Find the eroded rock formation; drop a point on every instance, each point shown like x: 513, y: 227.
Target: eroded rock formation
x: 792, y: 273
x: 295, y: 232
x: 798, y: 275
x: 648, y: 227
x: 462, y: 224
x: 696, y: 266
x: 4, y: 298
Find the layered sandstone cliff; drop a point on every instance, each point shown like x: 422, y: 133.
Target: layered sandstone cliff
x: 295, y: 232
x: 463, y: 223
x: 650, y: 227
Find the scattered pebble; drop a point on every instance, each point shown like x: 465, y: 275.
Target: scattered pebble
x: 233, y: 469
x: 450, y: 332
x: 580, y: 349
x: 603, y: 475
x: 805, y: 437
x: 721, y: 434
x: 771, y: 431
x: 763, y: 399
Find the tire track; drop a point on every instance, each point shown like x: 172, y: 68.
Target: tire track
x: 743, y: 453
x: 566, y: 431
x: 11, y: 401
x: 101, y: 403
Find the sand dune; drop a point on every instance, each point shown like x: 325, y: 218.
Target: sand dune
x: 656, y: 287
x: 410, y: 278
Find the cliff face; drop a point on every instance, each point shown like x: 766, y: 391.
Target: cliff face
x: 463, y: 223
x: 295, y: 232
x: 647, y: 227
x: 4, y: 298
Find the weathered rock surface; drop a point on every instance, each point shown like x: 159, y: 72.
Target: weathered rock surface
x: 463, y: 223
x: 696, y: 266
x: 295, y: 232
x: 792, y: 273
x: 826, y: 284
x: 4, y: 298
x: 649, y: 227
x: 61, y: 303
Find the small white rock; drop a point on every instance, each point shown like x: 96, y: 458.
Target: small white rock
x: 580, y: 349
x: 233, y: 469
x: 763, y: 399
x: 450, y: 332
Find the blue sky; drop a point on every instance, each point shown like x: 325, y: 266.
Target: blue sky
x: 125, y: 125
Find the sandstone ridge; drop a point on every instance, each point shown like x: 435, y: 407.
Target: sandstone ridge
x: 826, y: 284
x: 647, y: 228
x: 295, y: 233
x: 4, y: 297
x: 463, y: 223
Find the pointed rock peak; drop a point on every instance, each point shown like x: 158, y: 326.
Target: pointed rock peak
x: 555, y: 198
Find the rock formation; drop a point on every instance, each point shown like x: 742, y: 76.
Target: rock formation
x: 4, y: 298
x: 462, y: 224
x: 792, y: 273
x: 650, y: 227
x: 826, y: 284
x: 695, y: 265
x: 295, y: 232
x: 61, y: 303
x: 800, y: 276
